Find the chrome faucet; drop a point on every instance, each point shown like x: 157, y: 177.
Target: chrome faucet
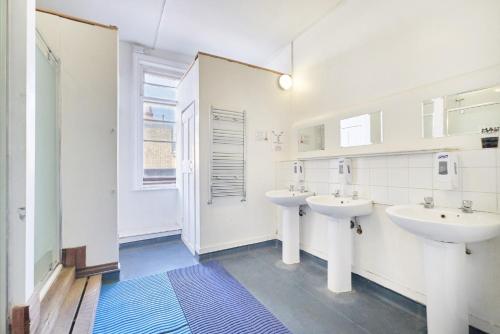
x: 302, y: 188
x: 336, y: 193
x: 428, y: 202
x: 466, y: 206
x: 355, y: 195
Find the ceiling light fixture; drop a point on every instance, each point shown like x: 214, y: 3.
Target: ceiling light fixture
x: 285, y: 82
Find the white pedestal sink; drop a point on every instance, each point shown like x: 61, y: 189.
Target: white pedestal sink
x: 290, y: 202
x: 445, y: 232
x: 340, y: 210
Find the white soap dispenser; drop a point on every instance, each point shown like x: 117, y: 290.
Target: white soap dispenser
x: 298, y: 172
x: 345, y: 171
x: 446, y: 171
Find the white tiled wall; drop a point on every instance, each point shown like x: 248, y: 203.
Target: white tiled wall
x: 404, y: 179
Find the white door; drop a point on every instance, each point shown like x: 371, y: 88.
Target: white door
x: 188, y: 178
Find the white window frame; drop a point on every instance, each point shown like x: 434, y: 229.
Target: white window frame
x: 141, y: 62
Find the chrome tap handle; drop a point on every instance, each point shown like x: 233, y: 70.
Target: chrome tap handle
x: 428, y: 202
x: 467, y: 206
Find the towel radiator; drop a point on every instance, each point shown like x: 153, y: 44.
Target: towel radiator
x: 227, y: 172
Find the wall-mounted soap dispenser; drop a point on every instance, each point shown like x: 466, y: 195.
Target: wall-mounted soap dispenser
x: 345, y: 171
x: 446, y: 171
x: 298, y: 172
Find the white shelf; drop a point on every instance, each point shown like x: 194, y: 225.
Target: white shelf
x: 374, y: 154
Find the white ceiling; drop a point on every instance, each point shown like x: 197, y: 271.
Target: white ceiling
x: 247, y: 30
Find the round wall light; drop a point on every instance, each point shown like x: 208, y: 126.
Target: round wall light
x: 285, y: 82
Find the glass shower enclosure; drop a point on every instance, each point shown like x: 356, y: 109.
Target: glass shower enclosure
x: 47, y: 163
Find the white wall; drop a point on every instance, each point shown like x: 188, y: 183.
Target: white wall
x: 142, y: 212
x: 224, y: 84
x: 89, y: 105
x: 391, y: 55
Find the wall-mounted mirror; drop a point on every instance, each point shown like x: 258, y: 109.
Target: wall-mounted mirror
x: 463, y: 113
x: 360, y: 130
x: 311, y: 138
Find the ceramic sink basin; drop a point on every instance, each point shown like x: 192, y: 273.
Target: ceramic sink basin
x: 446, y: 225
x: 340, y: 207
x: 288, y: 198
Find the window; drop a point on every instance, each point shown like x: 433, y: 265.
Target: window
x: 158, y: 100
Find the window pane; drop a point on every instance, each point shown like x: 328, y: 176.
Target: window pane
x: 159, y: 176
x: 159, y: 131
x: 159, y: 112
x: 160, y: 92
x: 161, y: 80
x: 159, y: 161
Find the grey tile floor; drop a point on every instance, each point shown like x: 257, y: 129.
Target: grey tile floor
x: 296, y: 294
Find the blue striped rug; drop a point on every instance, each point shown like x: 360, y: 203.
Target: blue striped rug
x: 216, y: 303
x: 202, y: 299
x: 146, y: 305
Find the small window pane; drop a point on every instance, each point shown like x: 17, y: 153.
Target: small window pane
x: 160, y: 92
x: 160, y: 80
x: 159, y: 112
x: 159, y: 131
x: 159, y: 162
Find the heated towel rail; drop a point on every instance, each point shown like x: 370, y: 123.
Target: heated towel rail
x: 227, y: 172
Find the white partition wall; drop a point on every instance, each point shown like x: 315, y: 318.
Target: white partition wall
x: 89, y: 108
x: 228, y: 222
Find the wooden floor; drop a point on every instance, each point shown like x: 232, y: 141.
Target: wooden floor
x: 69, y: 305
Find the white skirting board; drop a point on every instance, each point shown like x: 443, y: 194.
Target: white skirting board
x: 145, y: 236
x: 233, y: 244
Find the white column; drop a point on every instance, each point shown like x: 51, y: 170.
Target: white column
x: 291, y: 235
x: 339, y: 255
x: 447, y: 311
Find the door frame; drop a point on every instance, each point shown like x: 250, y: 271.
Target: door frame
x: 3, y: 166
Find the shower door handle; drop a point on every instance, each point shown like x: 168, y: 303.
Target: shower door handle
x: 21, y: 212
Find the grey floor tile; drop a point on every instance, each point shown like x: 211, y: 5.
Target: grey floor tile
x: 295, y: 294
x: 154, y: 258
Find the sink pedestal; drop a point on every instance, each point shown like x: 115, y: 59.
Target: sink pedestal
x: 445, y: 232
x: 291, y: 235
x: 446, y: 294
x: 290, y: 202
x: 339, y: 255
x: 340, y: 210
